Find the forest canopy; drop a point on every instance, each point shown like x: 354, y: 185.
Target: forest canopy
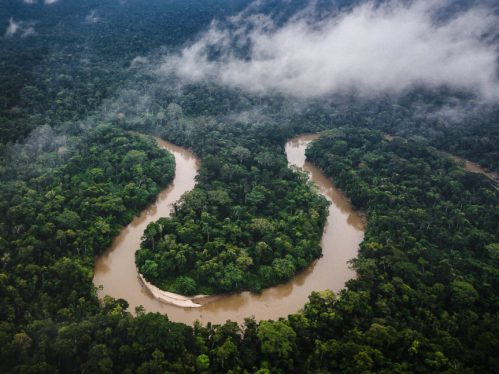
x: 80, y: 79
x: 251, y: 222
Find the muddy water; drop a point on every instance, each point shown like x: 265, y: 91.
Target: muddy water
x: 116, y: 271
x: 473, y: 167
x: 470, y: 166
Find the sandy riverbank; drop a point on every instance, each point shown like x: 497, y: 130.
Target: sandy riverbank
x: 170, y: 297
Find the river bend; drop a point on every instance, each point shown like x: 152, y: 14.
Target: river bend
x: 116, y: 272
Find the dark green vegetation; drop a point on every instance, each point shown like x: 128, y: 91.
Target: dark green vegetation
x: 250, y: 223
x: 69, y: 67
x: 56, y: 219
x: 428, y: 267
x: 426, y: 299
x: 475, y: 137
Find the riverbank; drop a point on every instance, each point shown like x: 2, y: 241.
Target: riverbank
x: 467, y: 165
x: 473, y: 167
x: 343, y: 233
x: 170, y: 297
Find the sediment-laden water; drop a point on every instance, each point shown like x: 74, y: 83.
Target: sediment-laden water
x: 115, y: 270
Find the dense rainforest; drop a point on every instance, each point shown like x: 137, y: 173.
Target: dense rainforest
x: 429, y: 259
x: 250, y: 223
x: 78, y: 82
x: 56, y: 219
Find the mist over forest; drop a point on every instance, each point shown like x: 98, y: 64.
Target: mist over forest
x: 404, y: 98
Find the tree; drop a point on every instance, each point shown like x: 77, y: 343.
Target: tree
x: 241, y: 153
x: 203, y: 363
x: 226, y: 352
x: 185, y: 285
x: 156, y: 365
x: 277, y: 339
x: 463, y: 294
x: 99, y: 360
x: 150, y: 269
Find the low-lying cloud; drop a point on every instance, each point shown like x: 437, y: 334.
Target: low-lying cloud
x: 368, y: 50
x: 46, y: 2
x: 21, y: 28
x: 92, y: 17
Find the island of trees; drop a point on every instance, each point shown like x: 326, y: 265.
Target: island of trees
x: 251, y: 222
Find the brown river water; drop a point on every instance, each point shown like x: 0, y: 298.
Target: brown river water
x: 115, y: 270
x: 473, y: 167
x: 470, y: 166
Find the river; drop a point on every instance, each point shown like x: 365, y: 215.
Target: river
x: 473, y: 167
x: 115, y: 270
x: 468, y: 165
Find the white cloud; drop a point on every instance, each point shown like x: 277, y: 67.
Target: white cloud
x: 29, y: 30
x: 11, y: 28
x: 139, y: 61
x: 22, y: 28
x: 46, y: 2
x: 367, y: 50
x: 92, y: 17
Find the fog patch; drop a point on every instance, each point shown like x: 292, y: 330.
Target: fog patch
x: 92, y: 17
x: 21, y: 28
x: 128, y: 103
x: 44, y: 148
x: 453, y: 111
x: 12, y: 28
x: 366, y: 51
x: 45, y: 2
x: 139, y: 61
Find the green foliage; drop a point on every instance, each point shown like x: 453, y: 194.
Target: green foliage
x: 202, y: 363
x: 249, y: 228
x: 56, y: 219
x: 425, y: 298
x: 277, y: 339
x: 426, y: 295
x: 184, y: 285
x: 427, y: 261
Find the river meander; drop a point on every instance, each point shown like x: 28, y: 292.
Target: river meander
x: 115, y: 270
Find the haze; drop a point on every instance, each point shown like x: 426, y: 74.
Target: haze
x: 366, y: 51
